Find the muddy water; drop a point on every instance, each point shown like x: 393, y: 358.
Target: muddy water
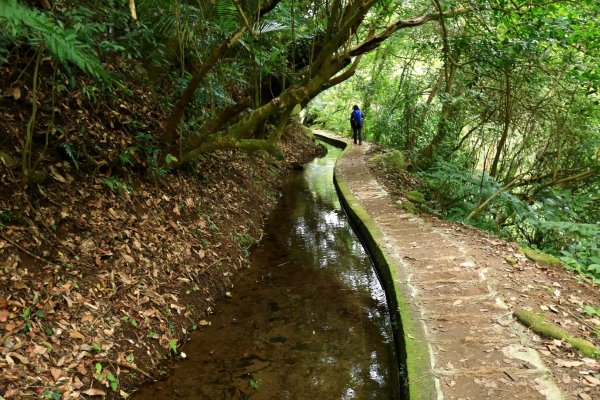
x: 308, y: 319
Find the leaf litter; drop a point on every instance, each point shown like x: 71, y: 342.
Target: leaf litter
x: 98, y: 289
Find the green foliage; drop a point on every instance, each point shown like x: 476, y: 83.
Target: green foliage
x: 553, y: 223
x: 415, y: 197
x: 245, y: 241
x: 39, y: 30
x: 70, y: 151
x: 129, y: 320
x: 589, y: 310
x: 226, y: 9
x: 116, y: 185
x: 254, y: 384
x: 173, y: 345
x: 104, y: 376
x: 52, y: 395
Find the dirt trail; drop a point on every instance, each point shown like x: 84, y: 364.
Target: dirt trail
x: 465, y: 291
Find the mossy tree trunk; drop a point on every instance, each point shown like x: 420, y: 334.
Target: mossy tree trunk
x: 334, y: 62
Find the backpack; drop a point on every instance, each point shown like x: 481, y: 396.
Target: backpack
x: 356, y: 117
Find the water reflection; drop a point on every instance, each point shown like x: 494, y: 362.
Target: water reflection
x: 308, y: 320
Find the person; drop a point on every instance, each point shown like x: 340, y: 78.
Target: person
x: 356, y: 122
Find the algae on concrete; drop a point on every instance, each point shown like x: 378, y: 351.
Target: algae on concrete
x: 539, y: 325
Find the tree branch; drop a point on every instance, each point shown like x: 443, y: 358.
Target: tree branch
x: 374, y: 42
x: 199, y: 74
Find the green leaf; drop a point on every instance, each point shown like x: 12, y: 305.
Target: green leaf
x: 171, y: 159
x: 173, y: 345
x: 591, y: 310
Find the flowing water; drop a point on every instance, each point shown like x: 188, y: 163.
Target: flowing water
x: 307, y: 320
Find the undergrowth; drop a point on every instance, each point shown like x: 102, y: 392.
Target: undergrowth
x: 562, y: 222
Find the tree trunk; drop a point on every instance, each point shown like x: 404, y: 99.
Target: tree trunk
x: 448, y: 109
x: 174, y: 120
x: 188, y: 94
x: 507, y: 119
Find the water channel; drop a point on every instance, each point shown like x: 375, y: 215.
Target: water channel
x: 307, y: 320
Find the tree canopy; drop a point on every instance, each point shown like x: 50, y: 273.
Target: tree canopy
x: 503, y: 94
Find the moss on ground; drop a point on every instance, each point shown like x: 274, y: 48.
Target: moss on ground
x: 410, y: 207
x: 539, y: 325
x: 540, y: 257
x: 394, y: 160
x: 415, y: 197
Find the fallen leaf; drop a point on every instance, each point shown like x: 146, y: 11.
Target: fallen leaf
x: 585, y: 396
x: 19, y: 357
x: 54, y: 174
x: 593, y: 381
x: 94, y: 392
x: 16, y: 93
x: 457, y: 302
x: 10, y: 326
x: 128, y: 258
x: 56, y: 373
x: 76, y: 335
x: 39, y: 349
x: 568, y: 364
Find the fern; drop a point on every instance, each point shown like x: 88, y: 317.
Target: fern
x: 71, y: 153
x: 271, y: 26
x: 39, y: 30
x: 226, y: 9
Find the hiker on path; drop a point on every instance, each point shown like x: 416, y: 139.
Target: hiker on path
x: 356, y: 122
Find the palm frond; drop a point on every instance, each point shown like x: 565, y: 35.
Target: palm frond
x: 39, y: 30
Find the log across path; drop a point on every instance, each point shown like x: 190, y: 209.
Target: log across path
x: 461, y: 338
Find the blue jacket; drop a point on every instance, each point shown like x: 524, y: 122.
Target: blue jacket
x: 356, y: 118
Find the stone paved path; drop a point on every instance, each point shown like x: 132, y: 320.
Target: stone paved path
x: 477, y: 351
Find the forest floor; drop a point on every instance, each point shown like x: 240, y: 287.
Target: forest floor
x: 467, y: 291
x: 103, y: 278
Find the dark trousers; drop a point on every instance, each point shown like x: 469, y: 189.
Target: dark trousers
x: 357, y: 133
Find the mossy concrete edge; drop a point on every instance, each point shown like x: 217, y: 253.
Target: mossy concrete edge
x: 412, y: 347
